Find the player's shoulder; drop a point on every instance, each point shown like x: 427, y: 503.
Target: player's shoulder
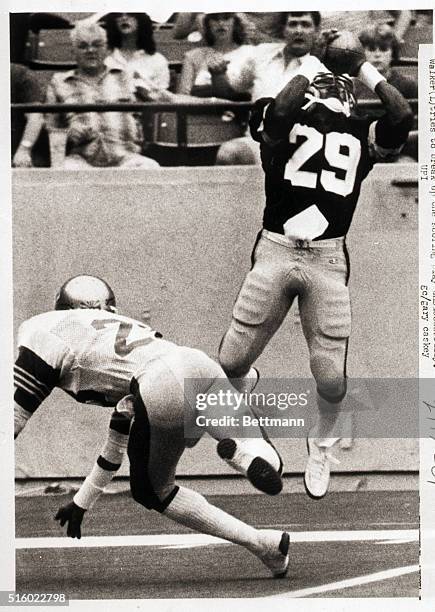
x: 43, y: 322
x: 40, y: 335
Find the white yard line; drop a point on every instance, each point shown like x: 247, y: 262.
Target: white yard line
x: 192, y: 540
x: 349, y: 582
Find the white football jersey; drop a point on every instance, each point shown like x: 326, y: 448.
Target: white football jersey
x: 90, y: 354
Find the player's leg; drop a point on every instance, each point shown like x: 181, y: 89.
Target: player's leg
x: 156, y: 443
x: 210, y: 398
x: 260, y: 308
x: 242, y: 442
x: 326, y: 320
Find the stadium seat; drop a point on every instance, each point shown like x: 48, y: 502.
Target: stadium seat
x: 418, y: 34
x: 51, y: 47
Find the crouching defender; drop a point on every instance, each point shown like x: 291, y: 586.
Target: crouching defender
x: 98, y: 356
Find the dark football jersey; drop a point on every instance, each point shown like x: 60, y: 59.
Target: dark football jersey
x: 321, y: 162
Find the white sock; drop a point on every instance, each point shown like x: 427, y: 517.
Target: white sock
x: 330, y: 425
x: 191, y: 509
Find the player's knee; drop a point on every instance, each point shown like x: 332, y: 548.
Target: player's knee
x: 332, y: 390
x: 233, y: 365
x: 235, y: 153
x: 330, y: 379
x: 156, y: 499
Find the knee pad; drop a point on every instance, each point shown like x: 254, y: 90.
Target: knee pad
x: 145, y: 495
x: 332, y: 391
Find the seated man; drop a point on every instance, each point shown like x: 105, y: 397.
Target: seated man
x: 98, y: 356
x: 265, y: 72
x: 97, y: 139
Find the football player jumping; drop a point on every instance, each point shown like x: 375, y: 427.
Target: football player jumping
x: 316, y: 151
x: 98, y: 356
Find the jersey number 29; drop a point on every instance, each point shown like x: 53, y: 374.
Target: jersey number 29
x: 341, y: 151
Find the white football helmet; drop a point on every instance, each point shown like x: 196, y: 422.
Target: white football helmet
x: 85, y: 291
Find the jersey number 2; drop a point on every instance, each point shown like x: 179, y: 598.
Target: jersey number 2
x: 121, y: 347
x: 341, y: 151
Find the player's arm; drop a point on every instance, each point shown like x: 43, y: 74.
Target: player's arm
x: 34, y: 379
x: 390, y: 132
x: 104, y: 469
x: 272, y: 118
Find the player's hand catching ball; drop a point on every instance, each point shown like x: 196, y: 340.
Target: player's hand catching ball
x: 321, y: 43
x: 73, y: 516
x: 344, y: 54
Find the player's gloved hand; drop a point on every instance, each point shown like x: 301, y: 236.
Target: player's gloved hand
x: 321, y: 43
x: 73, y: 516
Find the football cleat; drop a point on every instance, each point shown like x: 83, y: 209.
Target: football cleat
x: 275, y: 553
x: 85, y: 292
x: 318, y: 469
x: 261, y: 471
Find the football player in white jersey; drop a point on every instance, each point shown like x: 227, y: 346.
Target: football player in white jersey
x: 99, y: 356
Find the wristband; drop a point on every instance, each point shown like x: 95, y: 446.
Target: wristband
x: 370, y: 76
x: 26, y: 144
x: 88, y: 494
x: 309, y: 67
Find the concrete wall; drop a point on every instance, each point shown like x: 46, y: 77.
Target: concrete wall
x: 177, y: 242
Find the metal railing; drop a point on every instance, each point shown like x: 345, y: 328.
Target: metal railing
x: 182, y: 109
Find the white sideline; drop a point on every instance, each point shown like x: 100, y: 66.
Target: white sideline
x: 349, y: 582
x: 192, y: 540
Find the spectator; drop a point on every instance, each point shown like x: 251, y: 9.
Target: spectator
x: 262, y: 27
x: 188, y: 25
x: 98, y: 139
x: 259, y: 27
x: 265, y: 72
x: 225, y: 36
x: 382, y: 49
x: 26, y: 128
x: 355, y: 20
x: 131, y: 41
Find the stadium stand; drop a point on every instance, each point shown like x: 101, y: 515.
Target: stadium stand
x: 177, y: 138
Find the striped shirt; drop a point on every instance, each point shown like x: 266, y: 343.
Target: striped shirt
x: 118, y: 133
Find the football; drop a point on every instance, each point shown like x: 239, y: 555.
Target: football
x: 344, y: 54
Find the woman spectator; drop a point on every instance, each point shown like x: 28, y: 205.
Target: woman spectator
x: 131, y: 42
x: 225, y: 36
x: 381, y: 48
